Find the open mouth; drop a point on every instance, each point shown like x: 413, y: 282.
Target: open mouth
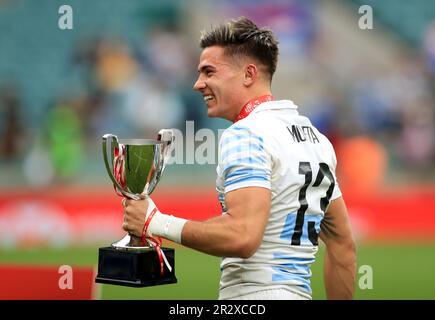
x: 207, y: 98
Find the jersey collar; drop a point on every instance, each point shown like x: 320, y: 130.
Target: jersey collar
x: 275, y: 105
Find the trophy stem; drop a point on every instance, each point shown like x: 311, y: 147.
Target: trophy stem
x: 135, y: 241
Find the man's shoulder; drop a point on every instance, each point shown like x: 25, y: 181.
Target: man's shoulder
x: 247, y: 128
x: 243, y: 126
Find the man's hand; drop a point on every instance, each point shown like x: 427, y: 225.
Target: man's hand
x: 136, y: 213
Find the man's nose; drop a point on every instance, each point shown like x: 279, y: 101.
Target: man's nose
x: 199, y: 84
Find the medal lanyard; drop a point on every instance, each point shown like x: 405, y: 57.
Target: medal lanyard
x: 251, y: 105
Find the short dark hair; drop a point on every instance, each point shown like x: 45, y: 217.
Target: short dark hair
x: 242, y: 37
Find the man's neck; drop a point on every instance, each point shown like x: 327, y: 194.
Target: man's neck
x: 250, y: 98
x: 252, y: 94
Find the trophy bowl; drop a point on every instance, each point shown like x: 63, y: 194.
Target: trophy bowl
x: 135, y: 167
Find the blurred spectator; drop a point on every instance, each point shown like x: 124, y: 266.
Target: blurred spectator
x: 169, y: 66
x: 429, y: 48
x: 11, y: 128
x: 149, y: 106
x: 85, y: 58
x: 417, y: 140
x: 292, y: 21
x: 114, y: 66
x: 362, y: 165
x: 165, y: 55
x: 135, y: 98
x: 429, y: 54
x: 64, y: 139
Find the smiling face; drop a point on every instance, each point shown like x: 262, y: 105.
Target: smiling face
x: 221, y: 82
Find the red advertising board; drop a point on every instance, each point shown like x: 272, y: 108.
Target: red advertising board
x: 65, y: 216
x: 26, y: 282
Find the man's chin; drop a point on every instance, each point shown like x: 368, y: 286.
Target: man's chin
x: 211, y: 113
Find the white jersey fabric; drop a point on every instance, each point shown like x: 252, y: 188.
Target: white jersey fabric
x: 278, y: 149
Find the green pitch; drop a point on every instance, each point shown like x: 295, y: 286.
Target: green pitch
x: 399, y: 272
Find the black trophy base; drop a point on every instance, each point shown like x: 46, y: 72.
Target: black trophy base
x: 134, y: 268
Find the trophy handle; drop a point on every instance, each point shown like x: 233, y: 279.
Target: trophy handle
x: 109, y: 169
x: 166, y: 135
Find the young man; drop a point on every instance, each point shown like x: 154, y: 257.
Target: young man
x: 275, y: 178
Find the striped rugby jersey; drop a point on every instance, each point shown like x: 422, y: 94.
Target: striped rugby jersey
x: 276, y: 148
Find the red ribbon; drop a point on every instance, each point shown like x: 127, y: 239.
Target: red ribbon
x: 119, y: 168
x: 155, y: 242
x: 251, y: 105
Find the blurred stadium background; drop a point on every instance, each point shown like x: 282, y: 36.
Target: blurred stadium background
x: 128, y: 67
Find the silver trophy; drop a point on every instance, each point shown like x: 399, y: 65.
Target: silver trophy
x: 135, y: 167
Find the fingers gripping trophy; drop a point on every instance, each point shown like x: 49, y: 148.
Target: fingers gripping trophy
x: 135, y: 167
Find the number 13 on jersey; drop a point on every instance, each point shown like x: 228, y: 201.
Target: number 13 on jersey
x: 296, y: 229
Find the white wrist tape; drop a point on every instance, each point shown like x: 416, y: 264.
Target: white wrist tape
x: 167, y: 226
x: 164, y: 225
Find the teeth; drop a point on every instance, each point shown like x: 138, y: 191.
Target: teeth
x: 207, y: 98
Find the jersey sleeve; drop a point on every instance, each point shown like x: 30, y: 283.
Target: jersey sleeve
x: 244, y: 159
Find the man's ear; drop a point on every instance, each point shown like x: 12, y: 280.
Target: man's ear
x: 251, y: 74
